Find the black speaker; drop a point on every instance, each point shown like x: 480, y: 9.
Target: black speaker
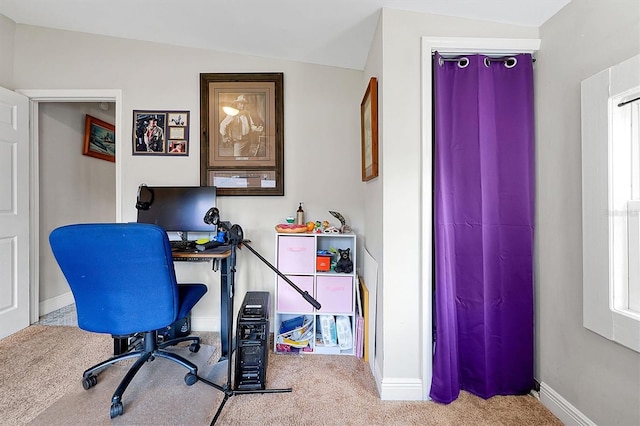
x: 252, y: 338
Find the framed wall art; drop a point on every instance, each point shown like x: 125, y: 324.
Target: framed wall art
x: 161, y: 133
x: 369, y: 130
x: 99, y: 139
x: 242, y: 139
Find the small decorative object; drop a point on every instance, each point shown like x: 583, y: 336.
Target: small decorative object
x: 99, y: 139
x: 344, y: 264
x: 161, y: 133
x: 300, y: 215
x: 290, y: 219
x: 343, y: 223
x: 292, y: 228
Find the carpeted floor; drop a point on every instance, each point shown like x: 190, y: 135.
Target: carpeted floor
x: 41, y: 384
x: 157, y: 395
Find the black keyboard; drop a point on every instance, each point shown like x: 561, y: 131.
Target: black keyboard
x: 182, y: 245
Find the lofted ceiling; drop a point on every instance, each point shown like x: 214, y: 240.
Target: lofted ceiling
x: 329, y: 32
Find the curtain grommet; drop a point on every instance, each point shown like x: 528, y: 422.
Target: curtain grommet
x: 463, y: 62
x: 511, y: 62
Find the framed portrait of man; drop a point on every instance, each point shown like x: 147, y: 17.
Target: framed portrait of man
x: 242, y: 145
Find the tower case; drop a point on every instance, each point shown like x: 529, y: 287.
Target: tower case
x: 252, y: 339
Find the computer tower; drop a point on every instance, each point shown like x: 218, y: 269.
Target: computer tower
x: 252, y: 340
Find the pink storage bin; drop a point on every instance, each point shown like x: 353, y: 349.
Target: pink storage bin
x: 335, y: 294
x: 289, y: 300
x: 296, y: 255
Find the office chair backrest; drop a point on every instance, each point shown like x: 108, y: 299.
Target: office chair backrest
x: 121, y: 275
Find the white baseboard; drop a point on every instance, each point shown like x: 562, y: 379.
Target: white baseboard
x: 561, y: 408
x: 55, y: 303
x: 395, y: 389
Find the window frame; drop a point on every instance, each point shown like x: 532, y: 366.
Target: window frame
x: 605, y: 226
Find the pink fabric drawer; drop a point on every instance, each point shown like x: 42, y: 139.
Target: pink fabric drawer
x: 289, y: 300
x: 296, y: 255
x: 335, y: 294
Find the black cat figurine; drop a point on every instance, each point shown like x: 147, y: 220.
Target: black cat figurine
x: 344, y: 263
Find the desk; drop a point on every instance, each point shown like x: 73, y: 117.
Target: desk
x: 227, y: 279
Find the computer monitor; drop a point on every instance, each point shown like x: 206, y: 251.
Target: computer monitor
x: 177, y: 208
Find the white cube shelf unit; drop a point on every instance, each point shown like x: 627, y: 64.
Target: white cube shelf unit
x: 297, y: 259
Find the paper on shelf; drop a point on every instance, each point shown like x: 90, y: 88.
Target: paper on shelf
x: 299, y: 337
x: 343, y: 327
x: 328, y: 330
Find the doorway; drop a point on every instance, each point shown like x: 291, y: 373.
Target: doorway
x: 58, y: 104
x: 457, y: 45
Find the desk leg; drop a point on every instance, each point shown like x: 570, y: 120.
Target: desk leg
x: 227, y: 281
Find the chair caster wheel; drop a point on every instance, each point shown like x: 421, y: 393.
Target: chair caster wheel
x: 116, y: 409
x: 190, y: 379
x: 89, y: 382
x: 194, y: 347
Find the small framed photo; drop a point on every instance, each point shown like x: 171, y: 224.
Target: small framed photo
x: 369, y: 127
x: 161, y: 133
x: 99, y: 139
x: 177, y: 147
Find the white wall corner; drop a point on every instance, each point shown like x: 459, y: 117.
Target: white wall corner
x: 401, y: 389
x: 377, y: 374
x: 55, y: 303
x: 561, y: 408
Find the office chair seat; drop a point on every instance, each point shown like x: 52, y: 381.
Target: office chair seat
x: 124, y: 284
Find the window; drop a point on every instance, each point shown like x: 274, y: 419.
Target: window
x: 611, y: 202
x: 624, y: 186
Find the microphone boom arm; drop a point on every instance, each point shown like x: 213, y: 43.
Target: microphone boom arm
x: 313, y: 302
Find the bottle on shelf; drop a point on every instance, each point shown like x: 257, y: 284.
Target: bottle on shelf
x: 300, y: 215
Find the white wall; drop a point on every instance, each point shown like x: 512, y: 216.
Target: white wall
x: 372, y: 207
x: 74, y: 187
x: 7, y: 29
x: 599, y: 378
x: 321, y: 131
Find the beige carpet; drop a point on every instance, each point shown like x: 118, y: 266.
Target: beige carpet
x: 156, y: 396
x: 42, y: 368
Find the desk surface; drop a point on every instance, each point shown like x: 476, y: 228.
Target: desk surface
x: 202, y: 254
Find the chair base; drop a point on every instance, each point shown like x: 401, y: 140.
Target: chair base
x: 149, y: 350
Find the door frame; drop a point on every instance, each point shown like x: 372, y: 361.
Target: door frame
x: 448, y: 45
x: 60, y: 95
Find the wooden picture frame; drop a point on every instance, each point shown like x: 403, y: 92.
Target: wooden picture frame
x: 242, y: 139
x: 99, y: 139
x: 369, y: 131
x: 161, y: 133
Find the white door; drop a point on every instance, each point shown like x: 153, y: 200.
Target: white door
x: 14, y: 212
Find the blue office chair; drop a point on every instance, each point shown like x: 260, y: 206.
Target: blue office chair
x: 124, y: 284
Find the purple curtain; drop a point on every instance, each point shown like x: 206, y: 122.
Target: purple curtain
x: 484, y: 217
